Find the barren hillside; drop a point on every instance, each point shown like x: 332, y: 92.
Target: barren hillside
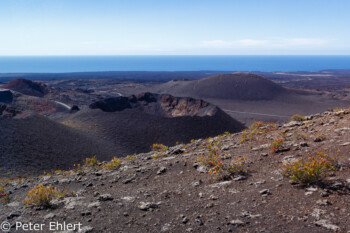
x: 237, y: 86
x: 248, y: 188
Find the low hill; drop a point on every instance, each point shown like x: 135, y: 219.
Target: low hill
x: 134, y: 123
x: 237, y: 86
x: 28, y: 87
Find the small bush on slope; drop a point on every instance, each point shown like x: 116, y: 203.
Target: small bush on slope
x: 160, y: 148
x: 3, y: 194
x: 225, y: 171
x: 277, y: 144
x: 256, y: 129
x: 41, y: 195
x: 297, y: 117
x: 90, y: 162
x: 114, y: 164
x: 311, y: 170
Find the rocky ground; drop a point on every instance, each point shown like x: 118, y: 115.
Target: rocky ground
x: 172, y: 192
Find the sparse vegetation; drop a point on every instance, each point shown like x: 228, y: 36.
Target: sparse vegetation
x: 90, y: 162
x: 320, y: 137
x: 277, y: 145
x: 3, y: 194
x: 310, y: 170
x: 218, y: 169
x: 160, y: 149
x: 298, y: 136
x: 208, y: 160
x: 225, y: 171
x: 40, y: 195
x: 297, y: 117
x: 114, y: 164
x: 256, y: 129
x: 130, y: 158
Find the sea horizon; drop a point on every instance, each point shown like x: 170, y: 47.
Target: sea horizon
x: 105, y: 63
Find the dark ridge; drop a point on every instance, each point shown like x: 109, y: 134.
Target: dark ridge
x: 141, y: 76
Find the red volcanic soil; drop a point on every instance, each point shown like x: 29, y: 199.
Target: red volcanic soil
x: 28, y: 87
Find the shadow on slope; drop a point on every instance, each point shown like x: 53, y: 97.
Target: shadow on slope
x: 134, y: 123
x: 33, y: 143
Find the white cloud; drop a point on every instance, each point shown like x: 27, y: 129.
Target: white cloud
x: 250, y: 42
x: 216, y: 43
x: 305, y: 41
x: 232, y: 44
x: 271, y: 43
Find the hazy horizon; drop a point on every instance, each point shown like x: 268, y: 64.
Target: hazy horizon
x: 103, y: 28
x: 59, y: 64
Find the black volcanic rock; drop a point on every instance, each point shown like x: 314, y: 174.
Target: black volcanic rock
x: 2, y: 108
x: 112, y: 104
x: 8, y: 111
x: 74, y: 108
x: 28, y: 87
x: 155, y: 104
x: 6, y: 96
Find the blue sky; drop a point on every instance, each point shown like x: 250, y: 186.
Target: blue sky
x: 178, y: 27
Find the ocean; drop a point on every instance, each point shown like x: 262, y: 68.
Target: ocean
x: 61, y: 64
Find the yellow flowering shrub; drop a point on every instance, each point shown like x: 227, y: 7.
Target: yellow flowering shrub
x: 3, y: 194
x: 225, y: 171
x: 277, y: 144
x: 41, y: 195
x: 297, y: 117
x: 256, y: 129
x: 114, y: 164
x: 310, y: 170
x: 90, y: 162
x: 160, y: 148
